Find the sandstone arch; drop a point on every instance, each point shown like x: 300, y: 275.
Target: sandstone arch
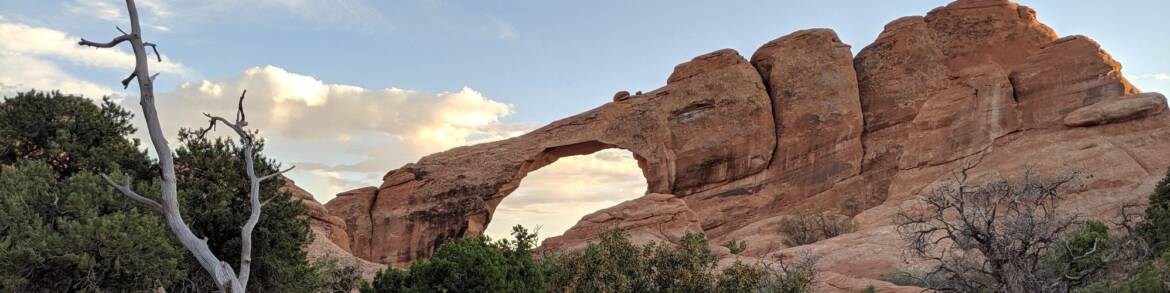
x: 688, y: 135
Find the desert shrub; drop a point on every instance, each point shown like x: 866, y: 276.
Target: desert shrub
x: 808, y: 227
x: 856, y: 204
x: 869, y: 289
x: 1150, y: 277
x: 685, y: 268
x: 735, y: 247
x: 77, y: 234
x: 989, y: 236
x: 793, y: 275
x: 337, y: 275
x: 740, y: 277
x: 1156, y: 229
x: 70, y: 231
x: 1152, y: 232
x: 613, y: 264
x: 70, y: 134
x: 469, y: 265
x: 63, y: 228
x: 213, y: 190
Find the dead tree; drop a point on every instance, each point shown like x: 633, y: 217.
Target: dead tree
x: 989, y: 236
x: 227, y: 279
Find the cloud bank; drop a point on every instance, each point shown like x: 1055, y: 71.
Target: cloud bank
x: 343, y: 137
x: 33, y: 57
x: 340, y: 136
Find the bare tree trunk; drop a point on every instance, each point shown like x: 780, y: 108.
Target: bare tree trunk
x: 225, y: 277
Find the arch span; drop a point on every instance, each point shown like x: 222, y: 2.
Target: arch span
x: 686, y: 136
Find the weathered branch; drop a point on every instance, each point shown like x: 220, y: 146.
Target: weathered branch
x: 110, y: 44
x: 125, y: 189
x: 155, y: 48
x: 128, y: 79
x: 269, y: 176
x: 222, y: 273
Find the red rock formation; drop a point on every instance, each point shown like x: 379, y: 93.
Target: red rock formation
x: 686, y: 135
x: 806, y: 125
x: 656, y: 217
x: 321, y: 220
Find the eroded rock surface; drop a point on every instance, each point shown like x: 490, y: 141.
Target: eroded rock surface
x: 687, y: 135
x: 657, y: 217
x: 730, y: 146
x: 332, y: 227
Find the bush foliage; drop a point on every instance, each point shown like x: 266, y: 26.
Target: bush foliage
x: 64, y: 229
x: 808, y: 227
x: 614, y: 264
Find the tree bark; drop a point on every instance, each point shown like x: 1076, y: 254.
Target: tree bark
x: 225, y: 277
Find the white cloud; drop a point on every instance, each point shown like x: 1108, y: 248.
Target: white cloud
x: 39, y: 42
x: 32, y: 58
x: 339, y: 133
x: 298, y: 106
x: 21, y: 73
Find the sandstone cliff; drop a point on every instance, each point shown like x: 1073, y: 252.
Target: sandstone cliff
x: 730, y: 145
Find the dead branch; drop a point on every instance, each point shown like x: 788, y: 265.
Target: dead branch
x: 226, y: 279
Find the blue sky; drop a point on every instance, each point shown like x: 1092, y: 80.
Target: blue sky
x: 466, y: 71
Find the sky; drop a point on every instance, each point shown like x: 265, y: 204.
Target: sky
x: 347, y: 90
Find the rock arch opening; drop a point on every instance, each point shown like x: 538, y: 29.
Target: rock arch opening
x: 563, y: 184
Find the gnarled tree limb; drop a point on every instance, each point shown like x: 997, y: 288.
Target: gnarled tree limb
x: 225, y: 277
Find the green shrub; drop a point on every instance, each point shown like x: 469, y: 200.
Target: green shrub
x: 78, y: 234
x: 790, y: 276
x: 1156, y: 229
x: 337, y: 276
x: 213, y: 192
x: 71, y: 134
x: 469, y: 265
x: 807, y: 227
x: 735, y: 247
x: 740, y: 277
x: 65, y: 229
x: 613, y: 264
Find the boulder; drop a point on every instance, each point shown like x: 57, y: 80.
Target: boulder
x: 810, y: 78
x: 1117, y: 109
x: 661, y: 218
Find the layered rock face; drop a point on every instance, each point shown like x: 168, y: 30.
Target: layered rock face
x: 687, y: 135
x: 731, y: 146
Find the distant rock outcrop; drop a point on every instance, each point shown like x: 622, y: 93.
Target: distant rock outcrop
x: 730, y: 146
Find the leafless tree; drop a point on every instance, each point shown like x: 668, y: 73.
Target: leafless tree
x: 227, y: 279
x: 990, y: 236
